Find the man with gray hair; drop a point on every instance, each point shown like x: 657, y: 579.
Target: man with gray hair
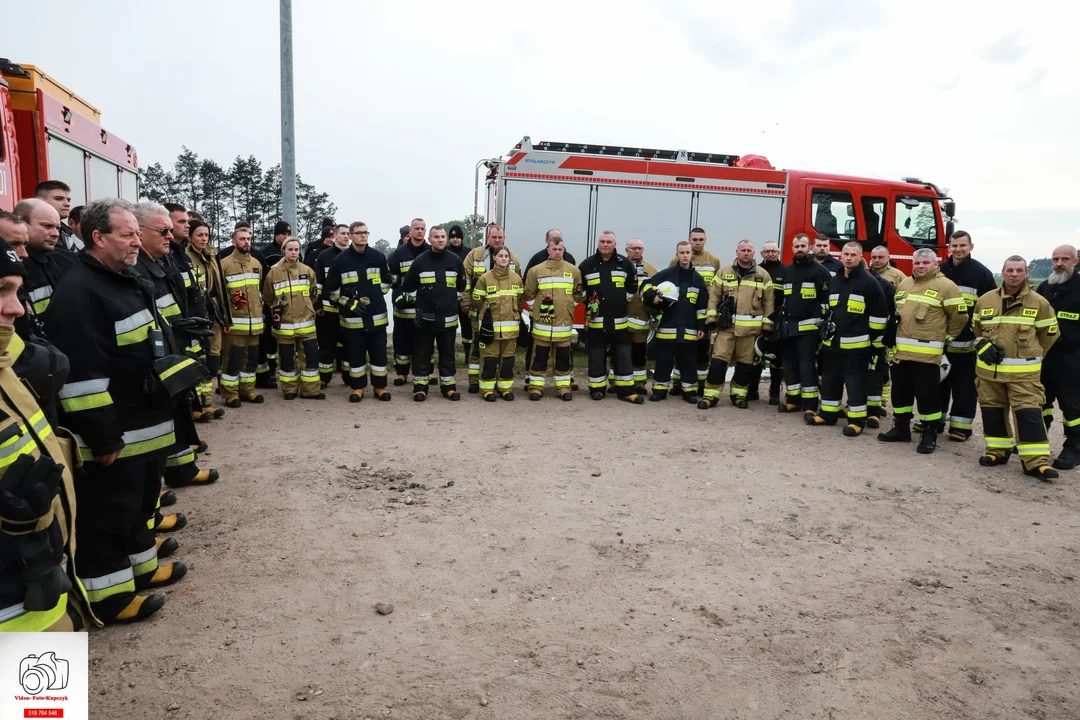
x: 1059, y: 373
x: 46, y: 263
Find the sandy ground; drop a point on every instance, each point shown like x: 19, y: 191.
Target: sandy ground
x: 598, y: 560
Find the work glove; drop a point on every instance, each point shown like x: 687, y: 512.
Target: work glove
x: 194, y: 326
x: 710, y: 324
x: 405, y: 301
x: 725, y: 314
x: 990, y: 353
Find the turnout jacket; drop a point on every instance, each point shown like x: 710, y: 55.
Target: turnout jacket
x: 1024, y: 326
x: 399, y: 262
x: 178, y: 263
x: 753, y: 296
x: 211, y: 283
x: 637, y: 312
x: 167, y: 287
x: 859, y: 312
x: 775, y: 268
x: 460, y: 250
x: 498, y: 291
x: 706, y: 263
x: 974, y: 280
x: 610, y: 285
x: 891, y: 274
x: 931, y: 310
x: 834, y: 266
x: 806, y: 296
x: 352, y: 276
x: 243, y: 286
x: 322, y: 265
x: 436, y: 278
x: 1065, y: 300
x: 291, y: 285
x: 43, y: 274
x: 553, y: 288
x: 112, y: 400
x: 479, y: 261
x: 681, y: 321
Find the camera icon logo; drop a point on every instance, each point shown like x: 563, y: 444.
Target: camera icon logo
x: 38, y: 673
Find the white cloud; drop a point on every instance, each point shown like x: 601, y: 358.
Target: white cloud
x: 993, y: 232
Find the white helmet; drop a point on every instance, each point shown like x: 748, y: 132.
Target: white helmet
x: 946, y: 366
x: 668, y: 290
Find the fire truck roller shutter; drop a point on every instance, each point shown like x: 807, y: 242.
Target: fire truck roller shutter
x: 67, y: 164
x: 532, y: 208
x: 129, y: 186
x: 104, y: 179
x: 661, y: 218
x: 728, y: 218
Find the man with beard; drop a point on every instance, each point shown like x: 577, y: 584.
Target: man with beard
x: 822, y: 256
x: 1062, y: 290
x: 243, y: 287
x: 332, y: 351
x: 399, y: 262
x: 806, y: 294
x: 773, y: 359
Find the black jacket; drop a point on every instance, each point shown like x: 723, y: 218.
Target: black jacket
x: 680, y: 322
x: 461, y: 251
x: 112, y: 400
x: 178, y: 265
x: 354, y: 275
x: 806, y: 296
x: 834, y: 266
x: 889, y: 291
x: 43, y: 274
x: 609, y: 286
x: 69, y: 240
x: 321, y: 267
x: 437, y: 279
x: 271, y: 253
x: 399, y: 263
x: 1065, y: 299
x: 974, y: 280
x: 312, y: 251
x: 859, y: 314
x: 542, y: 257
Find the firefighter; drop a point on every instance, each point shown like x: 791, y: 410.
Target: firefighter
x: 47, y: 263
x: 524, y: 331
x: 399, y: 263
x: 456, y: 242
x: 806, y: 294
x: 610, y: 284
x: 478, y: 262
x: 553, y: 289
x: 327, y: 322
x: 639, y: 316
x: 289, y: 292
x: 706, y: 264
x: 857, y: 322
x: 105, y: 322
x: 974, y: 280
x: 456, y: 245
x: 741, y: 305
x: 496, y: 300
x: 773, y: 355
x: 58, y: 195
x: 879, y: 389
x: 679, y: 298
x: 878, y: 378
x: 434, y: 283
x: 880, y: 264
x: 356, y: 285
x: 823, y: 255
x: 1062, y: 290
x: 328, y: 237
x: 1014, y: 328
x: 211, y: 284
x: 243, y: 282
x: 931, y: 310
x: 270, y: 255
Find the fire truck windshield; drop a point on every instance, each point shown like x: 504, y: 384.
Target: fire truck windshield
x: 916, y: 221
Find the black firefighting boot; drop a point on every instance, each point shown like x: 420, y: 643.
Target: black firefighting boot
x: 508, y: 395
x: 168, y: 523
x: 167, y: 498
x: 1043, y: 472
x: 383, y: 394
x: 200, y: 448
x: 901, y: 432
x: 234, y: 403
x: 676, y: 389
x: 165, y: 574
x: 787, y: 408
x: 813, y: 418
x: 633, y: 399
x: 1070, y: 454
x: 451, y: 394
x: 658, y: 395
x: 252, y: 397
x: 774, y: 388
x: 853, y: 430
x: 690, y: 398
x: 166, y: 546
x: 989, y: 460
x: 928, y: 443
x: 205, y: 477
x: 140, y: 608
x: 401, y: 380
x: 290, y: 396
x: 489, y: 395
x: 535, y: 393
x: 202, y: 416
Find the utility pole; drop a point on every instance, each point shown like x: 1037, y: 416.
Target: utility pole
x: 288, y: 136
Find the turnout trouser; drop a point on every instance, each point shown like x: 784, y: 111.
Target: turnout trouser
x: 180, y: 467
x: 800, y: 370
x: 1059, y: 377
x: 404, y: 339
x: 332, y: 355
x: 916, y: 382
x: 497, y: 365
x: 960, y: 386
x: 703, y: 362
x: 425, y: 341
x: 727, y: 349
x: 267, y: 362
x: 639, y: 356
x: 241, y: 360
x: 840, y: 369
x: 1024, y: 399
x: 598, y: 342
x: 668, y: 355
x: 366, y: 354
x: 542, y: 353
x: 212, y: 362
x: 298, y: 365
x: 876, y: 382
x: 469, y: 330
x: 114, y: 529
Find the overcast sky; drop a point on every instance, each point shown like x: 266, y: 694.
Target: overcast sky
x: 395, y: 102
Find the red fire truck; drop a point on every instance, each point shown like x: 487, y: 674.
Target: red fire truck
x: 659, y: 195
x: 47, y: 132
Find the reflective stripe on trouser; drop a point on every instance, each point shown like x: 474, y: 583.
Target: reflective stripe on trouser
x: 703, y: 360
x: 298, y: 365
x: 875, y: 383
x: 331, y: 347
x: 425, y: 341
x: 1060, y: 378
x: 727, y: 350
x: 267, y: 359
x: 842, y: 369
x: 241, y: 353
x: 180, y: 467
x: 404, y: 341
x: 114, y: 504
x: 667, y: 355
x: 959, y: 386
x: 15, y: 618
x: 542, y: 353
x: 366, y: 352
x: 916, y: 382
x: 497, y: 365
x: 598, y: 342
x: 639, y: 358
x: 473, y: 356
x: 800, y: 370
x: 1024, y: 400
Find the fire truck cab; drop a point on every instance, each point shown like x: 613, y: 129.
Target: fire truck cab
x: 660, y: 195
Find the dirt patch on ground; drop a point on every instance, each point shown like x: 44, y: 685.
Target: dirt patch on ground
x: 597, y: 560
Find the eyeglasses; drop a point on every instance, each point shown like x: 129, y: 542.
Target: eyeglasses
x: 361, y: 232
x: 163, y: 231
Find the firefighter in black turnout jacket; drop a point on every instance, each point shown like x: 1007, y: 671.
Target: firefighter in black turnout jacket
x: 610, y: 283
x: 806, y: 304
x: 434, y: 283
x: 1059, y: 370
x: 399, y: 263
x: 327, y: 325
x: 773, y: 348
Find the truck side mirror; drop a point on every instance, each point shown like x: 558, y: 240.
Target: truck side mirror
x: 950, y: 208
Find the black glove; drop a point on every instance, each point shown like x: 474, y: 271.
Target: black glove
x: 889, y: 339
x: 990, y: 353
x: 405, y: 301
x: 725, y: 314
x: 194, y: 326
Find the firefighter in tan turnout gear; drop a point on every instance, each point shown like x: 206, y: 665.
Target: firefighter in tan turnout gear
x: 289, y: 292
x: 479, y: 261
x: 552, y: 289
x: 932, y: 311
x: 1014, y: 328
x: 496, y: 298
x: 640, y: 318
x: 741, y: 304
x: 706, y: 264
x: 243, y: 288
